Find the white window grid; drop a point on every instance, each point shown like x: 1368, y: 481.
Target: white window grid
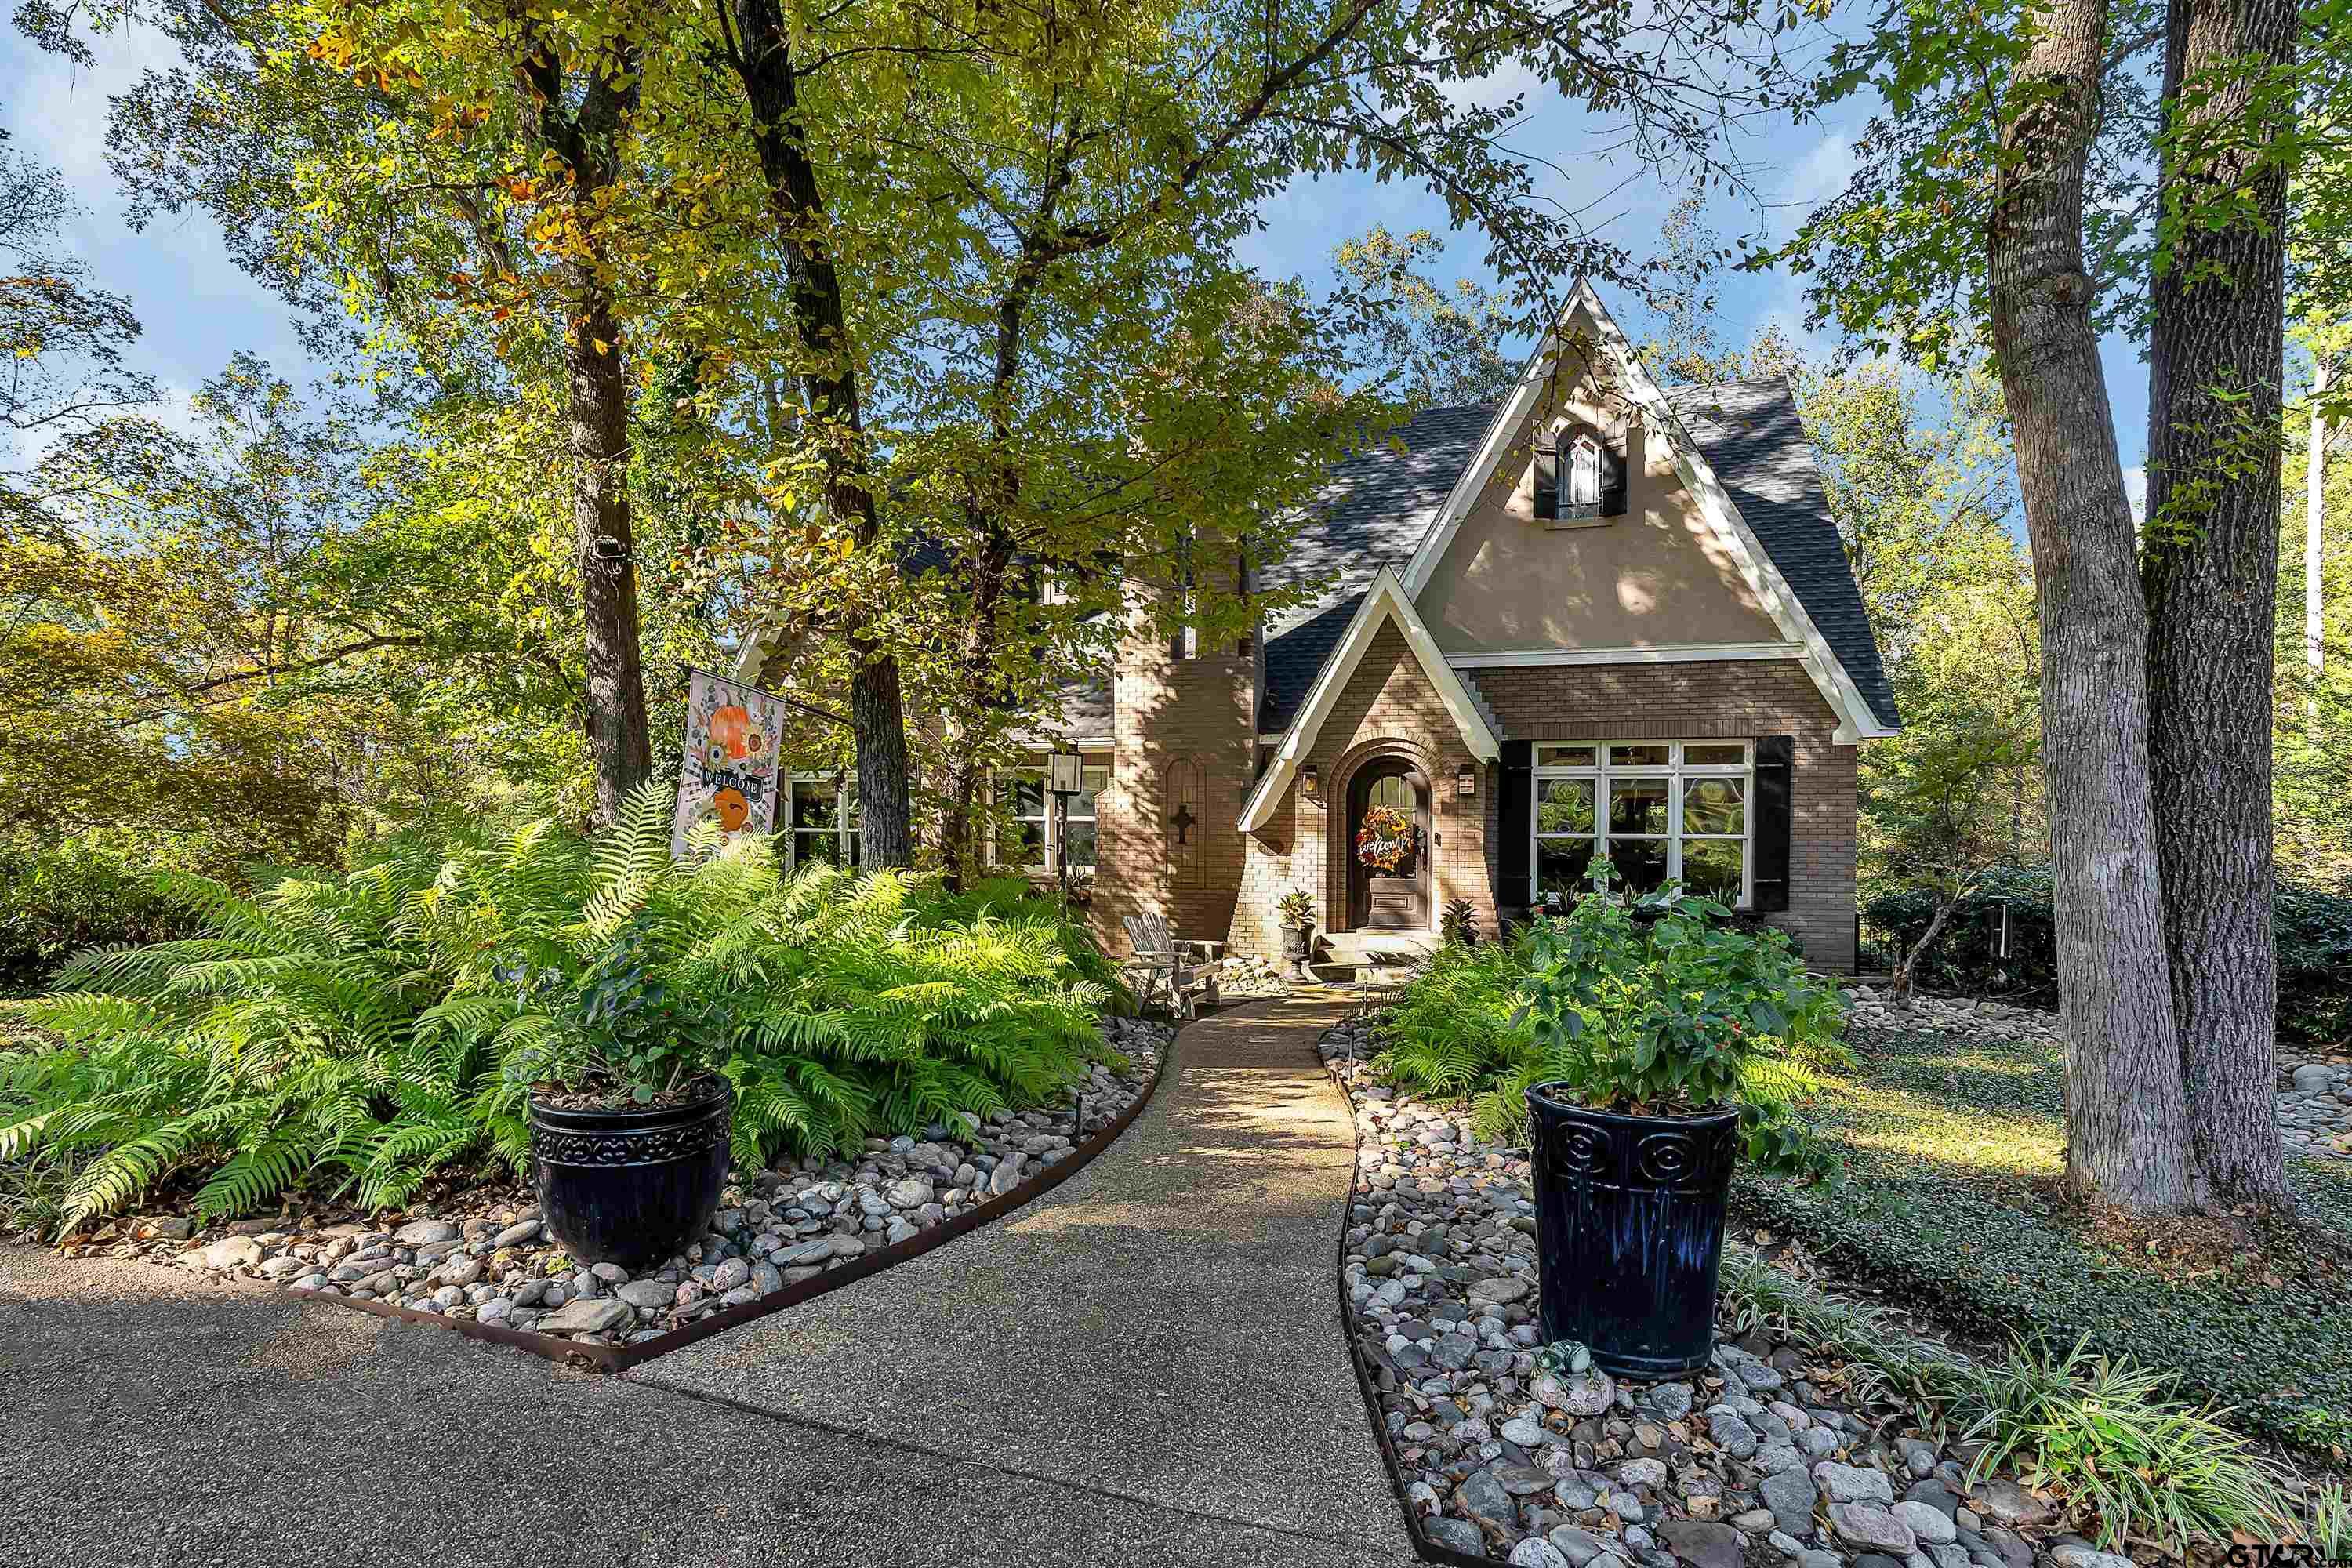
x: 1679, y: 773
x: 1084, y: 813
x: 804, y: 846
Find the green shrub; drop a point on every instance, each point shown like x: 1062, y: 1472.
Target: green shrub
x: 58, y: 899
x: 367, y: 1028
x: 2313, y: 930
x: 1663, y: 1003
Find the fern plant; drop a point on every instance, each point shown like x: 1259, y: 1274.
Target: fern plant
x: 364, y: 1032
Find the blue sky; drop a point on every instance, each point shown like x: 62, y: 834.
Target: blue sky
x: 197, y: 308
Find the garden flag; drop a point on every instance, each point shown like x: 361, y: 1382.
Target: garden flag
x: 728, y: 776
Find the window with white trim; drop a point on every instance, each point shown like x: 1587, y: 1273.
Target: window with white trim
x: 1660, y: 811
x: 822, y: 821
x: 1029, y: 838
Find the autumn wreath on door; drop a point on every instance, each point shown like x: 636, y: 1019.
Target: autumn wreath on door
x: 1385, y: 841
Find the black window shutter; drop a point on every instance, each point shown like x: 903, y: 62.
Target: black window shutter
x: 1776, y: 757
x: 1612, y: 478
x: 1548, y: 480
x: 1515, y: 879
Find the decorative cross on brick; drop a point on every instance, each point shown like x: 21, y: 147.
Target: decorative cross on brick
x: 1183, y: 821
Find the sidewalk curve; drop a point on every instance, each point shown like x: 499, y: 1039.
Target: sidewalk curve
x: 1162, y: 1327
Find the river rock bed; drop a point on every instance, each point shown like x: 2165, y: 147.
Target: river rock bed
x: 2315, y: 1092
x: 1768, y: 1456
x: 484, y: 1255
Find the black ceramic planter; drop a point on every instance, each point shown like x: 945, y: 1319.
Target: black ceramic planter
x: 1629, y: 1230
x: 632, y: 1186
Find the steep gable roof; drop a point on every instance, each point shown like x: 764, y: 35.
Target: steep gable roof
x: 1744, y: 453
x: 1373, y: 512
x: 1381, y: 603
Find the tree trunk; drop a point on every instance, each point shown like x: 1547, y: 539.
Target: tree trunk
x: 585, y: 139
x: 2315, y: 515
x: 829, y: 385
x: 2127, y: 1136
x: 2211, y: 571
x: 617, y: 734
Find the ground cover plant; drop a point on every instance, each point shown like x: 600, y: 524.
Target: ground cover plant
x: 2110, y: 1441
x: 1955, y: 1148
x: 363, y: 1031
x: 1663, y: 1001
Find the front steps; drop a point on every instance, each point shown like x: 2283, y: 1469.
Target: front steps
x: 1370, y: 958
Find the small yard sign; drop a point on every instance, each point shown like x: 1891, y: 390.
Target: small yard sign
x: 728, y: 776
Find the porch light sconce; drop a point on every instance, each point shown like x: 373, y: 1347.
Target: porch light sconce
x: 1465, y: 782
x: 1312, y: 782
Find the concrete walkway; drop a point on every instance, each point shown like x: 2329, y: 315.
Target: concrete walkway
x: 1162, y: 1328
x: 1143, y: 1368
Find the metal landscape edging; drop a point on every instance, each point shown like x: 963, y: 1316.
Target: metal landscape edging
x: 1427, y: 1550
x: 621, y: 1358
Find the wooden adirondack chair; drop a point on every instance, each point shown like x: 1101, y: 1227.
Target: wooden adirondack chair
x: 1168, y: 965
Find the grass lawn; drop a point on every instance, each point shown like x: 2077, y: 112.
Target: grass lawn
x: 1955, y: 1206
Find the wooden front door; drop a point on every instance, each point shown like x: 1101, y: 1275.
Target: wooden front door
x: 1389, y: 898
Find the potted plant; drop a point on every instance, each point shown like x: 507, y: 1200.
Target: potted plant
x: 1296, y: 912
x: 630, y: 1117
x: 1665, y: 1034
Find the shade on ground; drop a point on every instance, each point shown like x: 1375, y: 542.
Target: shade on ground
x: 1162, y: 1327
x: 1203, y: 1415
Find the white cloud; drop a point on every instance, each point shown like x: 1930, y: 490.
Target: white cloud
x: 2135, y: 491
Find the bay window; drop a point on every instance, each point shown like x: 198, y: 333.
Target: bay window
x: 824, y: 821
x: 1028, y: 838
x: 1660, y: 811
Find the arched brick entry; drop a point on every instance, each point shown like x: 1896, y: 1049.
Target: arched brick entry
x: 1340, y: 850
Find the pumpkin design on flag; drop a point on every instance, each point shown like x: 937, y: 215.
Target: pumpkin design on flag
x: 733, y: 809
x: 729, y: 727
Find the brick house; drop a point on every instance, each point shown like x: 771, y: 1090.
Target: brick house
x: 1600, y: 618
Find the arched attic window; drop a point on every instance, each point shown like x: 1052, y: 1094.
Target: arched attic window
x: 1578, y: 476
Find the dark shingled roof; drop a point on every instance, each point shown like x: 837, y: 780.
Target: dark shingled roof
x: 1372, y: 513
x: 1379, y: 503
x: 1757, y: 447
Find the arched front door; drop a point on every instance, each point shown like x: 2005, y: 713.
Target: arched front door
x: 1392, y: 895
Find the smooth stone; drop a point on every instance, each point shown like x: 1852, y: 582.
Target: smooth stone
x: 1707, y: 1544
x: 1499, y: 1292
x: 586, y: 1315
x: 1535, y: 1552
x: 1931, y: 1524
x: 231, y: 1252
x: 1578, y: 1545
x: 517, y: 1234
x: 1865, y: 1524
x: 424, y: 1233
x: 279, y: 1268
x: 1852, y: 1483
x: 2312, y: 1077
x: 2003, y: 1502
x: 1732, y: 1433
x: 1791, y: 1495
x: 647, y: 1295
x: 2075, y: 1554
x: 1458, y: 1534
x: 1483, y: 1497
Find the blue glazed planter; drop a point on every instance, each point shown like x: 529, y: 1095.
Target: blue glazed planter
x: 634, y: 1186
x: 1629, y: 1230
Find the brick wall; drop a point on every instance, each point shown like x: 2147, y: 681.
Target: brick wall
x: 1184, y: 760
x: 1719, y: 700
x: 1186, y: 741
